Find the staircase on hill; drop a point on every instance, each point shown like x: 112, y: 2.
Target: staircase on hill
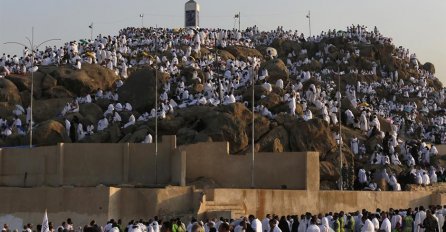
x: 213, y: 209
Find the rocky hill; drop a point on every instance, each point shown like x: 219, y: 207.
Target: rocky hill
x: 55, y: 86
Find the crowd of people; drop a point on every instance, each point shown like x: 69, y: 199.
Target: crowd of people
x: 407, y: 143
x: 418, y: 219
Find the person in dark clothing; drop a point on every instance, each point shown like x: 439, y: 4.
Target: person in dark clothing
x: 283, y: 224
x: 430, y: 224
x: 295, y: 225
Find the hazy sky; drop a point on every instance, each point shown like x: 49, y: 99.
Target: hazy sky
x: 417, y: 25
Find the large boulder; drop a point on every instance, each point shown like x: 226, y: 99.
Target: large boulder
x: 276, y: 140
x: 276, y: 70
x: 243, y: 52
x: 23, y: 82
x: 9, y: 92
x: 223, y: 123
x: 429, y: 67
x: 270, y: 101
x: 49, y: 133
x: 44, y: 110
x: 328, y: 172
x: 225, y: 127
x: 261, y: 127
x: 57, y: 92
x: 313, y: 135
x: 91, y: 112
x: 284, y: 47
x: 139, y: 90
x: 87, y: 80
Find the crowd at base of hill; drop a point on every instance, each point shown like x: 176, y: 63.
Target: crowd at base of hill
x: 418, y: 219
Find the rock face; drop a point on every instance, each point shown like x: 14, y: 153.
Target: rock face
x: 139, y: 90
x: 243, y: 52
x: 9, y: 92
x: 87, y: 80
x: 429, y: 67
x: 50, y: 132
x: 314, y: 135
x: 328, y: 171
x: 276, y: 70
x: 47, y: 109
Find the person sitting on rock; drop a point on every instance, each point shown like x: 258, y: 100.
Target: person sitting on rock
x: 308, y: 115
x: 116, y: 117
x: 102, y: 124
x: 118, y: 107
x: 109, y: 110
x: 279, y: 83
x: 90, y: 129
x: 6, y: 131
x: 78, y: 64
x: 147, y: 138
x: 130, y: 122
x: 80, y: 132
x: 128, y: 107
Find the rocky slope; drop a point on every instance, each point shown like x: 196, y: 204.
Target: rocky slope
x: 55, y: 86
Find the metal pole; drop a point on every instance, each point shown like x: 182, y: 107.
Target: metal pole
x: 91, y: 32
x: 32, y: 91
x: 309, y: 21
x: 156, y: 118
x: 142, y: 20
x: 239, y: 18
x: 33, y: 48
x: 252, y: 128
x: 340, y: 130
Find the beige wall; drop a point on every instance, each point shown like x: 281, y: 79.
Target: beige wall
x: 295, y: 170
x: 89, y: 165
x: 283, y: 202
x: 24, y: 205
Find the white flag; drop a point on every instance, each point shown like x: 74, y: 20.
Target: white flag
x: 45, y: 226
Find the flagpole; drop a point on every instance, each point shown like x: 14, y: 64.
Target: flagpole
x: 309, y: 21
x: 239, y: 20
x: 91, y: 32
x: 142, y: 19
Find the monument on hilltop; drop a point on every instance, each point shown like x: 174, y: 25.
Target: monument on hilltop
x: 192, y: 14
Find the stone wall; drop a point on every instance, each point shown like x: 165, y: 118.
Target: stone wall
x: 128, y: 164
x: 290, y: 170
x: 82, y: 204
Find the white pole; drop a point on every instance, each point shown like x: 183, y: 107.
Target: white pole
x: 340, y: 131
x: 91, y: 32
x: 142, y: 20
x: 252, y: 128
x: 156, y: 119
x: 32, y: 91
x: 309, y: 21
x: 31, y: 44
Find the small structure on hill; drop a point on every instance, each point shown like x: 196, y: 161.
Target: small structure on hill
x: 192, y: 13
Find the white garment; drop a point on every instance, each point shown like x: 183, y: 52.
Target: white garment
x: 368, y: 226
x: 313, y: 228
x: 386, y: 225
x: 148, y: 139
x: 256, y: 225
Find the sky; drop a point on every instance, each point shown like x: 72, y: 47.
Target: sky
x: 417, y: 25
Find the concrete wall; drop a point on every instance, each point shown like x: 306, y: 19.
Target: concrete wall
x: 292, y: 170
x: 283, y: 202
x: 27, y: 205
x: 87, y: 165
